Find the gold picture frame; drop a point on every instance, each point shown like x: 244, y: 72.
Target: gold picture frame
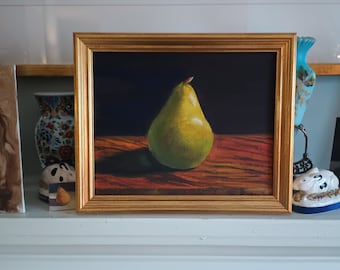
x: 121, y: 81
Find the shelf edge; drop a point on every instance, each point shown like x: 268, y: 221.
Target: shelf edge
x: 45, y: 70
x: 326, y: 69
x: 321, y: 69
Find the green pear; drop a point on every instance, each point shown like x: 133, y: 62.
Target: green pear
x: 180, y: 137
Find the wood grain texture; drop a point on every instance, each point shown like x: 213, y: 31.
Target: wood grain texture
x: 45, y: 70
x: 236, y: 165
x: 26, y: 70
x: 326, y: 69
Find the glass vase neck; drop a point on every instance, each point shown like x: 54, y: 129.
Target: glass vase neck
x: 303, y: 46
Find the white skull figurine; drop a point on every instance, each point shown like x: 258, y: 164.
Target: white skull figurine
x: 316, y: 181
x: 55, y: 173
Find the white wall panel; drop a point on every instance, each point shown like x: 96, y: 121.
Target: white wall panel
x: 34, y: 32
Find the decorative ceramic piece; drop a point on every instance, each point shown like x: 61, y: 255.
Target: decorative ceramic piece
x: 62, y: 196
x: 316, y: 191
x: 305, y: 78
x: 58, y: 173
x: 54, y: 131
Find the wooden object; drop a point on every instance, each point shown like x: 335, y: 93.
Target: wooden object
x: 45, y: 70
x: 322, y: 69
x: 89, y: 197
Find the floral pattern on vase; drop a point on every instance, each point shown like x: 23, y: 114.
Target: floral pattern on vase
x: 54, y: 131
x: 305, y: 78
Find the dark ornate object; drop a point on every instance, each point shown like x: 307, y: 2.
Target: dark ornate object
x: 304, y: 164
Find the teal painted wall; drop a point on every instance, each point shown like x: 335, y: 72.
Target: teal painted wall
x: 319, y: 121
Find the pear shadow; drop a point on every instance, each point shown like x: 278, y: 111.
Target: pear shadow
x: 131, y: 163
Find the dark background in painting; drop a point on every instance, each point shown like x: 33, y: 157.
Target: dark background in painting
x: 236, y: 90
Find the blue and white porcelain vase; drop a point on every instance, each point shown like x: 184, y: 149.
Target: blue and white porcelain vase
x: 305, y: 78
x: 54, y: 131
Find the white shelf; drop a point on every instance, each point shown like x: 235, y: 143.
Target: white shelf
x: 208, y: 233
x: 73, y: 241
x: 36, y: 208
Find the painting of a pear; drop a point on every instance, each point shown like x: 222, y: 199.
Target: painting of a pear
x: 180, y: 137
x: 159, y: 131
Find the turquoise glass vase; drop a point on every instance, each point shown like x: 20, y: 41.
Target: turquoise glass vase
x: 305, y: 78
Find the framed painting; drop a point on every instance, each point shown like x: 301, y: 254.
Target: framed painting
x: 184, y: 122
x: 11, y: 177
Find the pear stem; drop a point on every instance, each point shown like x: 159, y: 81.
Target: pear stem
x: 189, y: 80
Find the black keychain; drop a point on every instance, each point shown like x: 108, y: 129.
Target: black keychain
x: 304, y: 164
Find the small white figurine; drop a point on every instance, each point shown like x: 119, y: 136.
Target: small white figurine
x: 316, y: 181
x: 55, y: 173
x: 316, y: 191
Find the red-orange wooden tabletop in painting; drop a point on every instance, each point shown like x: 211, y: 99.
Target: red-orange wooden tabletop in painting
x: 236, y: 165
